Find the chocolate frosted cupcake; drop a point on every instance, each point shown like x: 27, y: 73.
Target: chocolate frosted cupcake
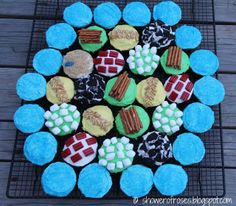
x: 158, y: 34
x: 90, y: 89
x: 155, y: 148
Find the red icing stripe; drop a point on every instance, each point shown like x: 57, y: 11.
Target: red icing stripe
x: 65, y: 153
x: 173, y: 78
x: 184, y: 77
x: 179, y: 86
x: 103, y: 53
x: 185, y: 96
x: 91, y: 140
x: 78, y: 146
x: 101, y: 69
x: 120, y: 62
x: 108, y: 61
x: 97, y: 61
x: 76, y: 157
x: 69, y: 142
x: 88, y: 151
x: 113, y: 54
x: 80, y: 136
x: 168, y: 87
x: 189, y: 86
x: 173, y: 96
x: 112, y: 69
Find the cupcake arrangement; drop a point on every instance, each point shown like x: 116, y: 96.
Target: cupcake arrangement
x: 128, y: 103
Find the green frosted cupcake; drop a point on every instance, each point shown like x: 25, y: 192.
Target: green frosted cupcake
x: 129, y: 91
x: 132, y: 121
x: 183, y: 67
x: 86, y: 42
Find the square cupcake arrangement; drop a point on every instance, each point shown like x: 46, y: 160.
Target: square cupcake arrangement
x: 129, y: 92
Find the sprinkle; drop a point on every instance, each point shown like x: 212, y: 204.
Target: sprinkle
x: 146, y: 46
x: 157, y: 116
x: 138, y: 48
x: 166, y: 128
x: 110, y: 156
x: 172, y: 122
x: 111, y: 166
x: 130, y: 153
x: 139, y: 62
x: 157, y: 124
x: 113, y: 140
x: 120, y: 146
x: 164, y: 120
x: 154, y: 65
x: 47, y: 114
x: 76, y: 114
x: 72, y: 108
x: 129, y: 146
x: 66, y: 128
x: 131, y: 52
x: 169, y: 112
x: 127, y: 162
x: 165, y: 104
x: 49, y: 124
x: 137, y: 54
x: 54, y: 107
x: 159, y: 109
x: 148, y: 68
x: 130, y: 60
x: 64, y: 105
x: 179, y: 121
x: 119, y: 165
x: 68, y: 118
x: 156, y: 58
x: 145, y: 52
x: 175, y: 128
x: 147, y: 59
x: 63, y: 112
x: 124, y: 140
x: 56, y: 130
x: 58, y: 121
x: 132, y: 65
x: 106, y: 142
x: 101, y: 152
x: 54, y: 116
x: 110, y: 149
x: 153, y: 50
x: 178, y: 114
x: 102, y: 162
x: 140, y: 70
x: 173, y: 106
x: 74, y: 125
x: 120, y: 154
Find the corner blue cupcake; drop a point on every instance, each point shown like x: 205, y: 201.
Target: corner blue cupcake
x: 58, y: 179
x: 31, y: 86
x: 198, y: 118
x: 107, y: 15
x: 188, y: 37
x: 209, y: 90
x: 137, y: 14
x: 170, y: 179
x: 29, y: 118
x: 40, y: 148
x: 168, y: 12
x: 60, y: 36
x: 94, y: 181
x: 136, y: 181
x: 47, y: 61
x: 204, y: 62
x: 188, y: 149
x: 78, y: 15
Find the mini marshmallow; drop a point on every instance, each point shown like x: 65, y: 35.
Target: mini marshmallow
x: 130, y: 59
x: 159, y: 109
x: 101, y: 152
x: 165, y: 104
x: 63, y: 112
x: 146, y: 46
x: 153, y: 50
x: 120, y: 146
x: 106, y: 142
x: 72, y: 108
x: 166, y: 128
x: 130, y: 153
x: 56, y: 130
x: 178, y: 114
x: 156, y: 58
x: 64, y: 105
x: 169, y: 112
x: 111, y: 166
x: 154, y: 65
x: 54, y: 116
x: 157, y: 116
x: 47, y: 114
x: 140, y: 70
x: 54, y: 108
x: 113, y: 140
x: 157, y: 124
x: 102, y: 162
x: 179, y: 121
x: 139, y: 62
x: 148, y: 68
x: 145, y: 52
x: 173, y: 106
x: 110, y: 156
x: 138, y: 48
x: 147, y: 59
x: 58, y: 121
x: 119, y: 165
x: 120, y: 154
x: 110, y: 149
x: 76, y: 114
x: 127, y: 162
x: 137, y: 54
x: 131, y: 52
x: 48, y: 124
x: 74, y: 125
x: 68, y: 118
x: 132, y: 65
x: 129, y: 146
x: 164, y: 120
x: 175, y: 129
x: 124, y: 140
x: 66, y: 128
x: 172, y: 122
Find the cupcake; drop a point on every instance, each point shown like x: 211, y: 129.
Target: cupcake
x: 120, y: 91
x: 155, y: 148
x: 62, y: 119
x: 167, y: 118
x: 132, y: 121
x: 124, y: 37
x: 109, y: 63
x: 60, y: 90
x: 98, y: 120
x: 77, y: 64
x: 150, y: 92
x: 92, y: 39
x: 174, y: 61
x: 143, y: 60
x: 116, y: 154
x: 80, y: 149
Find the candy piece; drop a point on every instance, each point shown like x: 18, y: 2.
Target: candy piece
x: 101, y: 152
x: 68, y: 118
x: 113, y: 140
x: 56, y: 130
x: 102, y: 162
x: 48, y: 124
x: 47, y: 114
x: 106, y: 142
x: 156, y: 124
x: 58, y: 121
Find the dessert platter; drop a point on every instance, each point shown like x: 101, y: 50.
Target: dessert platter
x: 118, y: 100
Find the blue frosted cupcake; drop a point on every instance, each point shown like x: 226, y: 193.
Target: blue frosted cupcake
x: 47, y: 62
x: 136, y: 181
x: 29, y: 118
x: 31, y: 86
x: 60, y: 36
x: 58, y: 179
x: 40, y: 148
x: 94, y: 181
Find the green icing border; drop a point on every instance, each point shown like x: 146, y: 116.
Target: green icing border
x: 95, y: 47
x: 128, y: 98
x: 170, y: 70
x: 143, y: 117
